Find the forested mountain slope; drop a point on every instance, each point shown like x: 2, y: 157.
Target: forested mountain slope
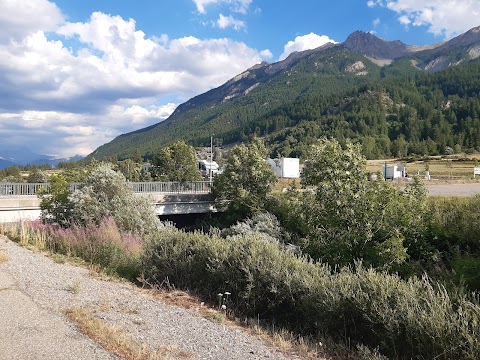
x: 340, y: 83
x: 420, y: 114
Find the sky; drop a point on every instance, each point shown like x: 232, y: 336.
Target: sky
x: 74, y: 74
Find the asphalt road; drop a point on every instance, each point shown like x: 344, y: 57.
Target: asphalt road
x: 29, y: 331
x: 468, y: 189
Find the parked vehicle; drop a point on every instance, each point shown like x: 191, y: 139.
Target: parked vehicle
x: 206, y: 167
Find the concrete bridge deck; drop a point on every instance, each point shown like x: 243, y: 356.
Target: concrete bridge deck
x: 19, y: 202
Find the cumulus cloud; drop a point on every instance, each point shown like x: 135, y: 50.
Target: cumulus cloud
x: 373, y: 3
x: 240, y: 6
x: 66, y: 134
x: 19, y: 20
x: 224, y: 22
x: 305, y: 42
x: 66, y: 101
x: 266, y: 54
x: 443, y: 18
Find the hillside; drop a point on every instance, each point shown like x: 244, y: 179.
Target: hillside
x: 250, y: 102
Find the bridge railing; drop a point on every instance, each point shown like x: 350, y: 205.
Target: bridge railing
x: 175, y: 187
x: 16, y: 189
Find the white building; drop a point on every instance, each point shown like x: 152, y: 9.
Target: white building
x: 391, y: 172
x: 285, y: 167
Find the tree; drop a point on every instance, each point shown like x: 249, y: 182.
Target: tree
x: 37, y: 176
x: 243, y: 187
x: 55, y: 204
x: 11, y: 174
x: 106, y: 193
x: 176, y: 162
x: 130, y: 169
x: 349, y: 217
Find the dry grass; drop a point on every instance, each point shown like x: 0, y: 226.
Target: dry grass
x: 75, y: 287
x: 114, y: 339
x: 283, y: 184
x: 279, y: 339
x: 292, y: 344
x: 452, y: 167
x: 3, y: 257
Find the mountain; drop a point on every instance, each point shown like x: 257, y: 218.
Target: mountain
x: 260, y: 92
x: 11, y: 156
x: 5, y: 164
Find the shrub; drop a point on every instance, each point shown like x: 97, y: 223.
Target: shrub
x: 55, y: 204
x: 346, y: 217
x: 455, y: 223
x: 404, y: 319
x: 264, y: 225
x: 106, y: 193
x: 100, y: 244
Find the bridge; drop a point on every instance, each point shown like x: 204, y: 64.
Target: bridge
x: 19, y: 201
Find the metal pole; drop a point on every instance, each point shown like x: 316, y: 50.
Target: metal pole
x: 211, y: 157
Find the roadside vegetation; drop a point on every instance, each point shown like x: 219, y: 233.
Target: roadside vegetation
x: 388, y: 273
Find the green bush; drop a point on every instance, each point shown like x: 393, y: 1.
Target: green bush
x: 106, y: 193
x: 455, y: 223
x: 466, y: 270
x: 55, y: 203
x: 404, y: 319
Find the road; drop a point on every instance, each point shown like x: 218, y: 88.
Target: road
x: 468, y: 189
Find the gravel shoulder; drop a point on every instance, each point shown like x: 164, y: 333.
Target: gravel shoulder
x: 35, y: 292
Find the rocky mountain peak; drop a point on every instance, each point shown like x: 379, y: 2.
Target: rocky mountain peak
x: 469, y: 38
x: 369, y: 45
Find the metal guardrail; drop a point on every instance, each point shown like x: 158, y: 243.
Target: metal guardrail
x: 17, y: 189
x: 174, y: 187
x: 187, y: 187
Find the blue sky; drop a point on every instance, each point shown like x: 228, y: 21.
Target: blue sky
x: 75, y: 74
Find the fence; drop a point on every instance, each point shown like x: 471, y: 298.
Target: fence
x: 187, y: 187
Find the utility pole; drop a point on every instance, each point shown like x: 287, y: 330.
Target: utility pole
x: 211, y: 157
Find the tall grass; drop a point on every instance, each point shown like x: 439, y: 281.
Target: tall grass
x: 104, y: 244
x: 456, y: 222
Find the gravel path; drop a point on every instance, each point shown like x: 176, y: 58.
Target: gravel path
x: 35, y: 291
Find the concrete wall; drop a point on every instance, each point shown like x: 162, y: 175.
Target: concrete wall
x: 17, y: 208
x: 13, y: 209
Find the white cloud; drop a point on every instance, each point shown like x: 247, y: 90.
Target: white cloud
x: 141, y: 115
x: 404, y: 20
x: 224, y: 22
x: 373, y: 3
x: 442, y: 17
x: 61, y: 101
x: 305, y: 42
x: 266, y: 54
x: 240, y: 6
x: 18, y: 20
x: 376, y: 22
x: 76, y: 133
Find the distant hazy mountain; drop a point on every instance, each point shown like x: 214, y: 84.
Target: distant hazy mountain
x: 11, y: 156
x: 4, y: 164
x: 329, y: 70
